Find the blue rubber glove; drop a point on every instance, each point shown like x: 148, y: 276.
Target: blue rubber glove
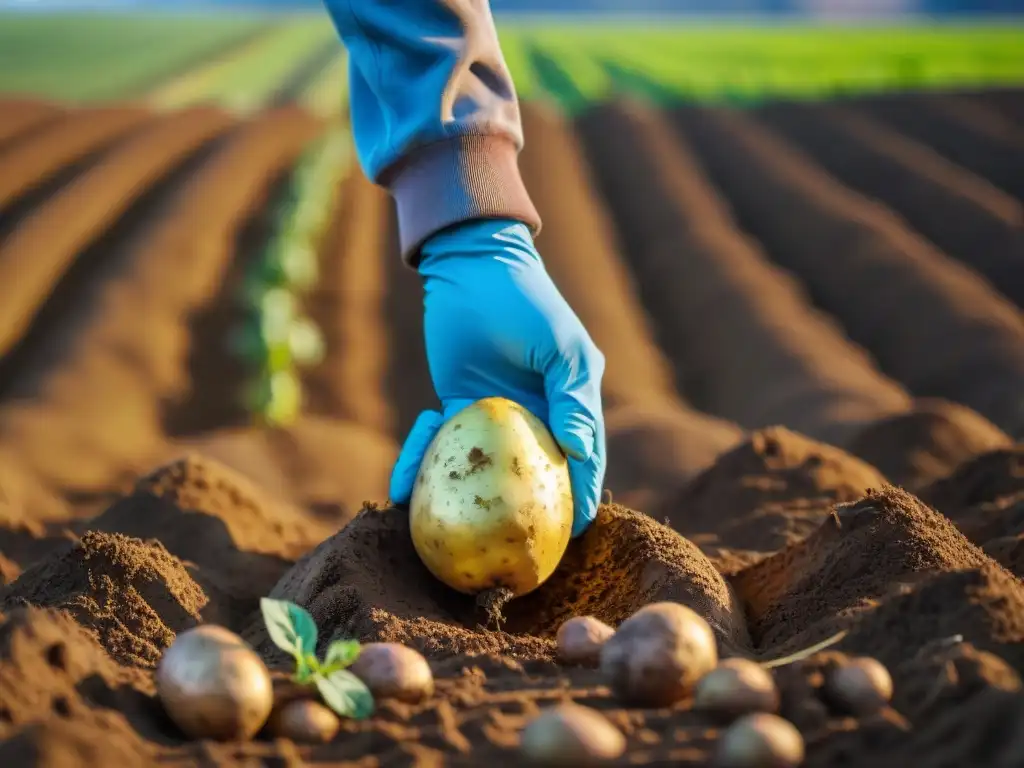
x: 496, y: 326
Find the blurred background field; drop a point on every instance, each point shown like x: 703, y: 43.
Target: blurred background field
x: 236, y: 53
x: 62, y: 63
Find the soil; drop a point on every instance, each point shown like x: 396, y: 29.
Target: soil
x: 20, y: 117
x: 349, y: 306
x: 964, y: 215
x: 931, y: 323
x: 367, y: 582
x: 768, y: 358
x: 968, y: 135
x: 134, y: 502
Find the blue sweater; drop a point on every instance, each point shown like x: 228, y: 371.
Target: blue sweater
x: 435, y: 115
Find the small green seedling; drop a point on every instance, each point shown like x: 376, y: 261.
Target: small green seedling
x: 293, y: 630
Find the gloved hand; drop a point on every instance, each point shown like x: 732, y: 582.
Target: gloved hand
x: 496, y: 326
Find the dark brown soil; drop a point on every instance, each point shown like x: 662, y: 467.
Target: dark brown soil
x: 655, y: 449
x: 778, y: 487
x: 969, y: 136
x: 932, y: 324
x: 768, y: 357
x: 928, y: 443
x: 348, y: 305
x: 963, y: 215
x: 123, y: 520
x: 367, y: 582
x: 132, y: 594
x: 870, y: 567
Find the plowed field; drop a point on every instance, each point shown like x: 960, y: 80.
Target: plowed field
x: 813, y: 319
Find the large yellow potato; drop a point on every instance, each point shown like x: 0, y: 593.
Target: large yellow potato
x: 492, y: 505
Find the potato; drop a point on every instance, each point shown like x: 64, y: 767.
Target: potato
x: 580, y: 639
x: 492, y: 506
x: 213, y: 686
x: 861, y: 687
x: 736, y: 687
x: 759, y: 741
x: 571, y: 735
x: 304, y: 721
x: 658, y: 654
x: 393, y: 671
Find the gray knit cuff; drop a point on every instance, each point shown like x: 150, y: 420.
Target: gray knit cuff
x: 456, y: 180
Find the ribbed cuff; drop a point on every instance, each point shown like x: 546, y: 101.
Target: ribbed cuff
x: 456, y: 180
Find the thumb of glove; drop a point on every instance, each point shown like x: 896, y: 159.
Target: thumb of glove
x: 403, y: 476
x: 573, y: 428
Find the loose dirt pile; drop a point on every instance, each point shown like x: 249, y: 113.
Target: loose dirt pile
x: 135, y: 504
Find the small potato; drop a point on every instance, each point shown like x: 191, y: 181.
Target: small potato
x: 736, y: 687
x: 392, y: 671
x: 658, y: 654
x: 571, y: 735
x: 213, y: 686
x: 304, y: 721
x: 861, y: 687
x: 580, y: 639
x: 759, y: 741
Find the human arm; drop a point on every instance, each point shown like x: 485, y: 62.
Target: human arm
x: 436, y: 121
x: 435, y: 115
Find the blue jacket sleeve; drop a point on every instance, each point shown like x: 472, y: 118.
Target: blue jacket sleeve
x: 434, y: 112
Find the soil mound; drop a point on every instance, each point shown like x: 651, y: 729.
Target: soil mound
x: 927, y: 444
x: 31, y: 517
x: 133, y: 595
x: 774, y: 489
x: 854, y: 558
x: 322, y: 464
x: 239, y: 538
x: 984, y: 605
x: 367, y: 582
x: 51, y: 666
x: 90, y: 741
x: 987, y: 478
x: 653, y: 451
x: 1008, y: 551
x: 945, y: 701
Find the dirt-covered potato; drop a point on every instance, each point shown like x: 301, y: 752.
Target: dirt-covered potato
x: 571, y: 735
x: 860, y: 687
x: 492, y: 506
x: 736, y: 687
x: 580, y: 640
x: 658, y: 654
x: 759, y: 741
x: 304, y: 721
x: 213, y: 686
x: 393, y: 671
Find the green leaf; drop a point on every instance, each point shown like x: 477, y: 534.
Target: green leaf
x: 341, y: 654
x: 346, y: 694
x: 302, y: 669
x: 312, y: 663
x: 290, y: 627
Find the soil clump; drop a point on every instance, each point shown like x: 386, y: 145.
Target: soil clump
x: 772, y: 490
x: 368, y: 583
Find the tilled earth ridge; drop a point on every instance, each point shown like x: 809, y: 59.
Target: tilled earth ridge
x: 116, y: 532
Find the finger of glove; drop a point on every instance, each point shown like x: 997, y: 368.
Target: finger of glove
x: 403, y: 476
x: 573, y: 389
x: 587, y: 480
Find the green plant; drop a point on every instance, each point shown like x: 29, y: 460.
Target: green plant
x: 294, y: 631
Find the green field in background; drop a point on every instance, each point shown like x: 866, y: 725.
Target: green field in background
x: 101, y: 57
x: 715, y: 63
x: 92, y: 57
